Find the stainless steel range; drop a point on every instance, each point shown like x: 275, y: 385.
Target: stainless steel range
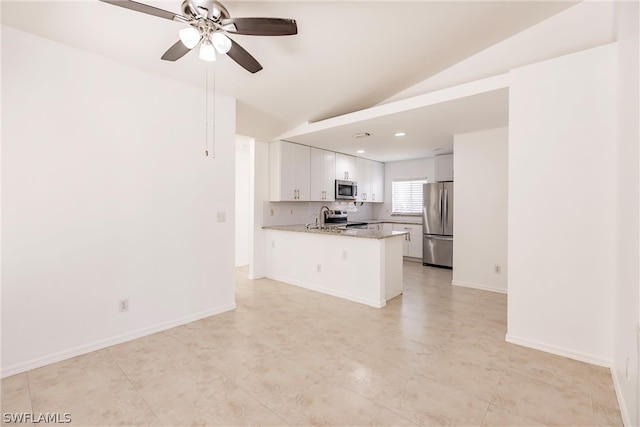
x: 339, y: 219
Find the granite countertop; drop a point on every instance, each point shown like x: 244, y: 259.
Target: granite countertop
x: 339, y: 231
x: 417, y: 221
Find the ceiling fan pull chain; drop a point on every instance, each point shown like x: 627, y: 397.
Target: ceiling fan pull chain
x: 206, y: 112
x: 210, y: 111
x: 213, y: 95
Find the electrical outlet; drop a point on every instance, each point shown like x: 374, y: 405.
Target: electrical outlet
x: 272, y: 212
x: 497, y: 269
x: 345, y: 255
x: 123, y: 305
x: 273, y: 244
x: 222, y: 216
x: 319, y: 268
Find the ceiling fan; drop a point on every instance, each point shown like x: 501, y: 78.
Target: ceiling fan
x: 209, y: 23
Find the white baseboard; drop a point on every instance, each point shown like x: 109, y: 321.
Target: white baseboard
x: 560, y: 351
x: 624, y: 411
x: 289, y: 281
x: 108, y: 342
x: 478, y: 286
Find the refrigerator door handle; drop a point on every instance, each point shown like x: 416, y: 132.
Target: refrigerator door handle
x: 445, y: 217
x: 440, y: 207
x: 434, y: 237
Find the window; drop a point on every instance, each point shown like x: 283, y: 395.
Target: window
x: 406, y: 196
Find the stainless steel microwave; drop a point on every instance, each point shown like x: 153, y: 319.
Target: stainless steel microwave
x: 346, y: 190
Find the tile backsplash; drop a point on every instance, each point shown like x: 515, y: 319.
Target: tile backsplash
x: 288, y: 213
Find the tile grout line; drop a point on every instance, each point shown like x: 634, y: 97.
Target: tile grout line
x: 133, y: 386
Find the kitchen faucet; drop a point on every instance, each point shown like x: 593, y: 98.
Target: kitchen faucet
x: 321, y: 217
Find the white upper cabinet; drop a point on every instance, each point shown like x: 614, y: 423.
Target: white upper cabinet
x: 290, y: 171
x: 370, y: 180
x: 444, y: 167
x: 302, y: 173
x: 377, y: 182
x: 323, y: 170
x: 346, y: 167
x: 363, y: 171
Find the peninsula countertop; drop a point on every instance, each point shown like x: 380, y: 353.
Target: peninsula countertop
x: 338, y: 231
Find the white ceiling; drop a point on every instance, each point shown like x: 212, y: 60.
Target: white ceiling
x: 429, y: 129
x: 348, y: 55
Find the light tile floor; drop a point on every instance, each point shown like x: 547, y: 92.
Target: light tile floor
x: 287, y: 356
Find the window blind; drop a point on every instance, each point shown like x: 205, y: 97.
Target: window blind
x: 406, y: 196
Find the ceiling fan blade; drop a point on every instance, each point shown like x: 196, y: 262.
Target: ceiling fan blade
x: 149, y: 10
x: 243, y: 58
x: 260, y: 26
x: 175, y: 52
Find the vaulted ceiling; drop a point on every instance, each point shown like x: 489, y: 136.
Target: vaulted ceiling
x: 348, y: 55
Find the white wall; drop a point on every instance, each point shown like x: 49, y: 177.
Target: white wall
x: 106, y: 195
x: 243, y: 165
x: 480, y: 202
x: 406, y: 169
x: 627, y: 311
x: 259, y: 195
x: 562, y: 198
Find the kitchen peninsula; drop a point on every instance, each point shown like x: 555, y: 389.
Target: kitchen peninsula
x: 359, y: 265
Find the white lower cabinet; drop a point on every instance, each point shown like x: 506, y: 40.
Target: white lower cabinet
x: 412, y: 241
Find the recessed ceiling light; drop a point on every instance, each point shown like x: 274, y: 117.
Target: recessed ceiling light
x: 361, y: 135
x: 360, y: 151
x: 400, y: 134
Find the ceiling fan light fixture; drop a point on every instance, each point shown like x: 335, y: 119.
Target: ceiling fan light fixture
x: 189, y: 37
x: 207, y: 51
x: 221, y: 42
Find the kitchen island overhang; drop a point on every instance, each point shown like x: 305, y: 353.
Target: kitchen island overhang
x: 359, y: 265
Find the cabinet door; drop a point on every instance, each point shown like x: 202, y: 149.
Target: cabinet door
x: 345, y: 167
x: 329, y: 175
x: 415, y: 245
x: 405, y: 244
x: 302, y: 173
x: 322, y: 181
x: 363, y: 172
x: 444, y: 168
x: 289, y: 171
x: 412, y: 241
x: 377, y: 182
x: 316, y: 182
x: 281, y: 172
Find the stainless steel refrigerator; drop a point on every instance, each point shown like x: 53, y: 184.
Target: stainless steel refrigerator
x: 437, y: 224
